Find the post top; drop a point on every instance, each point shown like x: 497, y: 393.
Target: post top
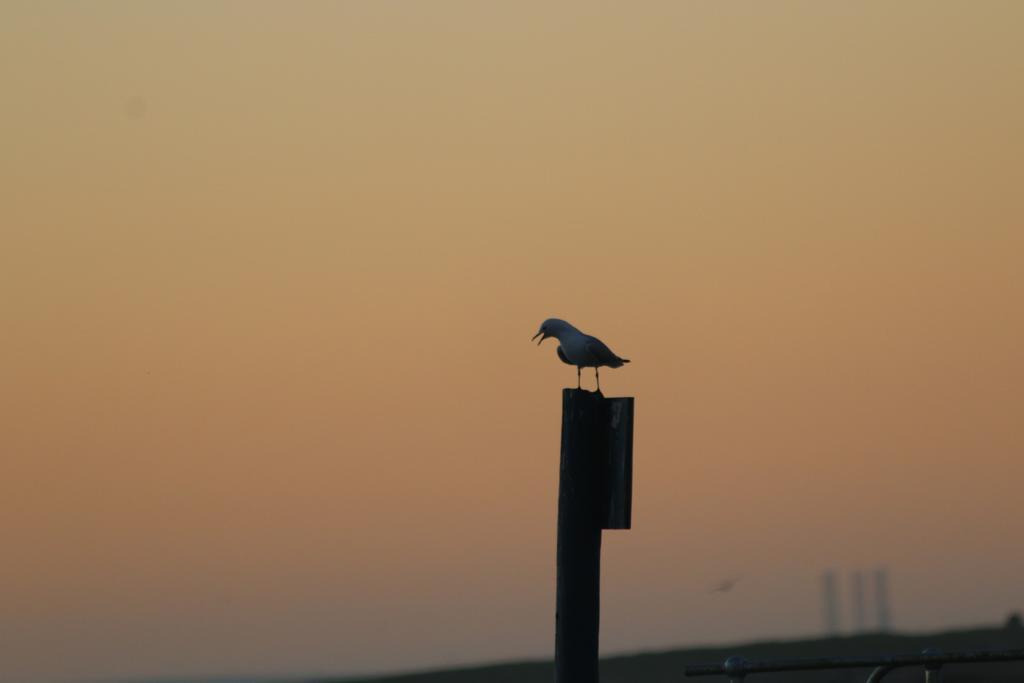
x: 585, y: 394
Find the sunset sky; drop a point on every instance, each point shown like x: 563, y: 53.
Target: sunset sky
x: 269, y: 271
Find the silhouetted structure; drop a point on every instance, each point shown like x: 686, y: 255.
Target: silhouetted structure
x: 594, y: 493
x: 882, y: 600
x: 830, y: 602
x: 857, y: 601
x: 668, y: 666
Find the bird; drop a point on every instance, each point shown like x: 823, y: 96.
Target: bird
x: 725, y: 586
x: 579, y: 349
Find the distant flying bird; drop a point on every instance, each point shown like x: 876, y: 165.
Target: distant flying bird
x: 725, y: 586
x: 576, y: 348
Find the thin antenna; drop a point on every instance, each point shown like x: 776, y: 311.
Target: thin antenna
x: 830, y: 602
x: 857, y: 598
x: 882, y: 599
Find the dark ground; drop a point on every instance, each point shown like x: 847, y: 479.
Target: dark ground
x: 663, y: 667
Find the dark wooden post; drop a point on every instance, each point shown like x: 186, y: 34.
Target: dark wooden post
x: 595, y: 475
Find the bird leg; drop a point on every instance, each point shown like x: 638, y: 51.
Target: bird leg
x: 598, y: 376
x: 578, y: 377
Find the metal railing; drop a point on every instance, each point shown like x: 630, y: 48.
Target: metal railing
x: 737, y: 668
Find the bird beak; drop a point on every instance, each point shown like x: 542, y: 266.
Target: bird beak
x: 541, y: 335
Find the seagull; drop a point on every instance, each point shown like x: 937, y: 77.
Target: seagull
x: 725, y: 586
x: 576, y: 348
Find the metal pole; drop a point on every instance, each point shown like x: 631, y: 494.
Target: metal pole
x: 857, y: 598
x: 882, y: 599
x: 578, y: 583
x: 830, y: 603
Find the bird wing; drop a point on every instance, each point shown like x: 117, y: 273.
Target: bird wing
x: 561, y: 355
x: 601, y: 354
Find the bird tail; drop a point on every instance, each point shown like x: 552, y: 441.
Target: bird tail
x: 624, y: 360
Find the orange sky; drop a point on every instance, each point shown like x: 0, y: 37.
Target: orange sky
x: 270, y: 271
